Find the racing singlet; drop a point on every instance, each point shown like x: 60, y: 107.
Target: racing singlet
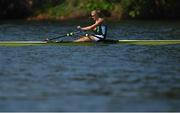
x: 101, y: 32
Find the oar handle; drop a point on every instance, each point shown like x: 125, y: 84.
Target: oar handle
x: 73, y: 33
x: 61, y: 36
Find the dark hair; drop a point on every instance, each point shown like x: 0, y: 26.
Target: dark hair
x: 103, y: 13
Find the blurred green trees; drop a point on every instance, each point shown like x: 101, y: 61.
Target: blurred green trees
x: 143, y: 9
x: 151, y: 8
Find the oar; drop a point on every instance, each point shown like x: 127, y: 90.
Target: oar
x: 61, y: 36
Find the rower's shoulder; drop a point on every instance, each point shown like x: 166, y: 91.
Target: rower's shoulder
x: 100, y: 20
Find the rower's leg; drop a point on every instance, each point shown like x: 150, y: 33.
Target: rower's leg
x: 85, y: 39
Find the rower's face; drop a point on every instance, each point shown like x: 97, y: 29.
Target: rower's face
x: 94, y: 16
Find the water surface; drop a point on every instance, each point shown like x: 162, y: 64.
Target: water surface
x: 90, y: 78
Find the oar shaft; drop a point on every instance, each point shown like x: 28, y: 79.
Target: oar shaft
x: 58, y: 37
x: 68, y: 34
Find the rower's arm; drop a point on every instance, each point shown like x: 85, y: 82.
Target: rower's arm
x: 92, y: 27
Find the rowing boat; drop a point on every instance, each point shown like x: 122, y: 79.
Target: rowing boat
x: 70, y: 43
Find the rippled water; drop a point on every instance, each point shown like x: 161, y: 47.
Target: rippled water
x: 90, y: 78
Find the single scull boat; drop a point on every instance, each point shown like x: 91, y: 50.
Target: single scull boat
x: 69, y: 43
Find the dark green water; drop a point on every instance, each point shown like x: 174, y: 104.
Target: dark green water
x: 90, y: 78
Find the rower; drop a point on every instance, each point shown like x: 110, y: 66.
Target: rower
x: 99, y: 29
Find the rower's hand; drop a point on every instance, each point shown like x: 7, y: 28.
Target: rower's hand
x: 79, y: 27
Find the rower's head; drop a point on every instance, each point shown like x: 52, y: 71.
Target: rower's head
x: 95, y: 14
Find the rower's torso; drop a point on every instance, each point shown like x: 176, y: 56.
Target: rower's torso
x: 101, y: 29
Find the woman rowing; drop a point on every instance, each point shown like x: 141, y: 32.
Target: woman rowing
x: 100, y: 30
